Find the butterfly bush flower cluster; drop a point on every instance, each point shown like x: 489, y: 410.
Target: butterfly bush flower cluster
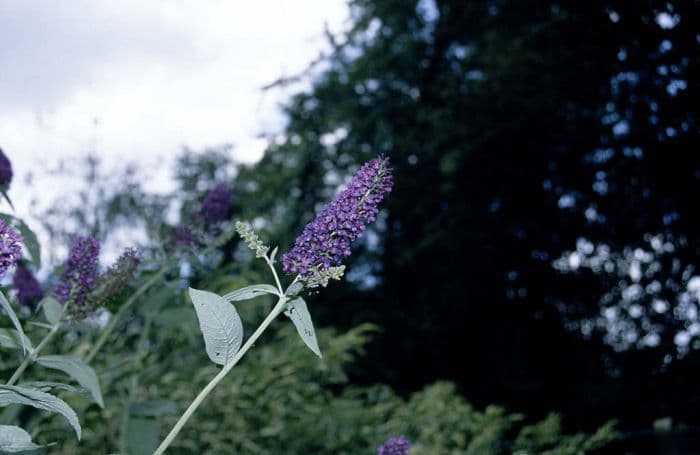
x: 327, y: 239
x: 395, y: 446
x: 78, y: 278
x: 115, y: 278
x: 5, y: 171
x: 28, y: 288
x: 10, y: 247
x: 216, y: 205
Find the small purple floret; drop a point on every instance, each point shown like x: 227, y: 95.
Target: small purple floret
x: 216, y: 205
x: 10, y: 247
x: 27, y: 286
x: 5, y: 171
x: 326, y: 240
x: 78, y: 278
x: 395, y: 446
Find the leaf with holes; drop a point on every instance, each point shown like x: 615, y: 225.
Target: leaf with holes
x: 221, y: 326
x: 10, y: 394
x: 299, y: 314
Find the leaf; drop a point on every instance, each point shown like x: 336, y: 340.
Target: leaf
x: 10, y: 338
x: 153, y: 408
x: 76, y: 369
x: 47, y: 386
x: 294, y: 289
x: 142, y: 436
x: 53, y: 310
x: 299, y: 314
x: 13, y: 317
x: 273, y: 255
x: 30, y: 238
x: 220, y: 324
x: 7, y: 198
x: 10, y: 394
x: 250, y: 292
x: 15, y: 439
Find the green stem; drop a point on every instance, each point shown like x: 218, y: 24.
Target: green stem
x: 31, y: 357
x: 279, y: 308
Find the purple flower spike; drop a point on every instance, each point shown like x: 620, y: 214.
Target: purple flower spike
x: 78, y: 278
x: 27, y: 286
x: 5, y: 171
x: 10, y: 247
x: 326, y: 240
x: 216, y: 205
x: 395, y: 446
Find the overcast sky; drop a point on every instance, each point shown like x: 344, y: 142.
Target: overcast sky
x: 138, y: 80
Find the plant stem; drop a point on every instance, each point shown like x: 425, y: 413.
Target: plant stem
x: 280, y: 307
x: 31, y: 357
x: 274, y: 273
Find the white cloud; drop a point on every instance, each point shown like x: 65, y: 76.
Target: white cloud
x: 138, y: 80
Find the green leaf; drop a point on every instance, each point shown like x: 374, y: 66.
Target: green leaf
x: 53, y: 310
x: 11, y: 338
x: 153, y: 408
x: 14, y: 439
x: 142, y: 436
x: 299, y: 314
x: 7, y: 198
x: 250, y: 292
x: 78, y: 370
x: 294, y: 289
x: 30, y: 239
x: 273, y: 255
x: 47, y: 386
x: 13, y: 317
x: 10, y: 394
x: 220, y: 324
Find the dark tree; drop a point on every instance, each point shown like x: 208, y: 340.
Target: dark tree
x: 540, y: 242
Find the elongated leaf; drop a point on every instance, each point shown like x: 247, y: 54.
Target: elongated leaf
x: 10, y: 394
x: 299, y: 314
x: 53, y: 310
x: 10, y: 338
x: 294, y: 289
x: 30, y: 239
x: 76, y: 369
x: 13, y: 317
x: 47, y: 386
x: 14, y: 439
x: 220, y: 324
x: 250, y: 292
x: 153, y: 408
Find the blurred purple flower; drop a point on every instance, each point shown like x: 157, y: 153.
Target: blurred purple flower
x: 27, y: 286
x: 326, y: 240
x: 5, y: 170
x: 183, y: 236
x: 395, y: 446
x: 10, y: 247
x: 216, y: 205
x: 78, y: 278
